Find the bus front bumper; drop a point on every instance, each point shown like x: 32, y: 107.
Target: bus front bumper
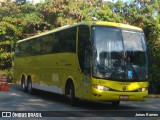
x: 100, y: 95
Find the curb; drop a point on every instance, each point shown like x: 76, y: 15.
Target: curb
x: 153, y: 96
x: 11, y: 83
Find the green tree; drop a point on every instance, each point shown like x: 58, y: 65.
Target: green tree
x: 141, y: 12
x: 7, y: 36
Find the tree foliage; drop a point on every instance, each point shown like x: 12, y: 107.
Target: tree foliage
x: 23, y: 20
x: 153, y: 39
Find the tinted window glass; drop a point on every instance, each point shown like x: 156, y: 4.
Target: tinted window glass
x: 47, y: 44
x: 37, y: 46
x: 23, y: 49
x: 18, y: 50
x: 30, y: 47
x: 62, y: 41
x: 56, y: 44
x: 83, y: 42
x: 68, y: 40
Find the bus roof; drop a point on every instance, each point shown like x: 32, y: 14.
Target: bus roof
x: 120, y: 25
x: 89, y: 23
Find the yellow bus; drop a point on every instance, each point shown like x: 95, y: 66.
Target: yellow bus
x: 94, y: 61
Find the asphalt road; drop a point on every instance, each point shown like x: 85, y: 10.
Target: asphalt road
x: 58, y: 106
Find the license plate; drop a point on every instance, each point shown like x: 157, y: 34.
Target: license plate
x: 123, y: 97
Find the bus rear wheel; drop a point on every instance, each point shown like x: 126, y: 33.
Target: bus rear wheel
x: 23, y: 87
x: 29, y: 87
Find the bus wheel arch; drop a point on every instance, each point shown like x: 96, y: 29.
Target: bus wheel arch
x: 67, y: 85
x: 29, y: 85
x: 23, y: 83
x: 70, y: 91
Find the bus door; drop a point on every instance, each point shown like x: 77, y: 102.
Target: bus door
x: 86, y: 75
x: 84, y: 58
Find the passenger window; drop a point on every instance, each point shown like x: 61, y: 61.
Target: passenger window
x: 30, y: 47
x: 56, y: 44
x: 68, y: 40
x: 23, y: 48
x: 47, y: 44
x: 18, y: 50
x: 37, y: 46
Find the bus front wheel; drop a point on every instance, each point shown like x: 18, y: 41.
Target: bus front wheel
x: 73, y: 100
x: 115, y: 103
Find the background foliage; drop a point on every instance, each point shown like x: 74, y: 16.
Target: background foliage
x: 18, y: 21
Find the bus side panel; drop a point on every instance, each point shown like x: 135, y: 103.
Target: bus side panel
x: 43, y: 71
x: 69, y: 69
x: 19, y: 69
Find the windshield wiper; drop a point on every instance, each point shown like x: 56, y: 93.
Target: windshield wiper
x: 106, y: 68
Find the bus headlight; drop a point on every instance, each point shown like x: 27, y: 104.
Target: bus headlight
x: 100, y: 87
x: 142, y: 89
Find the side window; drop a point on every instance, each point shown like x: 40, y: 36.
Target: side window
x: 56, y: 44
x: 59, y: 44
x: 37, y: 46
x: 47, y: 44
x: 68, y: 40
x: 18, y: 50
x: 23, y: 49
x: 83, y: 44
x: 30, y: 47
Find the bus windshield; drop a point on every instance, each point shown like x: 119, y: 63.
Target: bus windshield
x: 119, y: 54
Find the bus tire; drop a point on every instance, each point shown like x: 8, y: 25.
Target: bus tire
x: 73, y: 100
x: 115, y: 103
x: 29, y: 87
x: 23, y: 86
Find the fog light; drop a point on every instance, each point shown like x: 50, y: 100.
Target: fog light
x: 142, y: 89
